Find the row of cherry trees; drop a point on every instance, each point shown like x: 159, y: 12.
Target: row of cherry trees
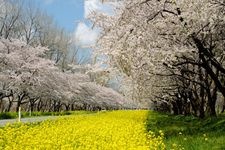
x: 167, y: 50
x: 30, y: 81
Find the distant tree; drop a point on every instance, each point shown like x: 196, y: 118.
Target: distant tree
x: 10, y: 14
x: 24, y: 20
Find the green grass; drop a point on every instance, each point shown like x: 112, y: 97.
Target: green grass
x: 13, y: 115
x: 189, y: 132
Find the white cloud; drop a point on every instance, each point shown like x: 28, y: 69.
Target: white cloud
x: 96, y: 5
x: 85, y: 36
x: 48, y: 2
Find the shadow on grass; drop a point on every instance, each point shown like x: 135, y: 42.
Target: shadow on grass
x: 188, y: 131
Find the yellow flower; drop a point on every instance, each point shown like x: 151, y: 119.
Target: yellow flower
x: 104, y: 131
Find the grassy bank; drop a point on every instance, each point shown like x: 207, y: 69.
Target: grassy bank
x: 189, y: 132
x: 13, y: 115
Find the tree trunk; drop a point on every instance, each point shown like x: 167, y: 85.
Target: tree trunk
x: 67, y: 107
x: 10, y: 104
x: 205, y: 64
x: 223, y: 109
x: 19, y: 100
x: 39, y: 105
x: 175, y: 109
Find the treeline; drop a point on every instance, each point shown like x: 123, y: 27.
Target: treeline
x: 24, y: 20
x: 36, y: 72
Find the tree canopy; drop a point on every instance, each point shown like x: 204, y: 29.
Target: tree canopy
x: 171, y: 50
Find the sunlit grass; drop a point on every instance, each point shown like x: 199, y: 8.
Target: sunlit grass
x: 189, y: 133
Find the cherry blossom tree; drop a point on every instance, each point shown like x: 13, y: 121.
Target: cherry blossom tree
x: 154, y: 42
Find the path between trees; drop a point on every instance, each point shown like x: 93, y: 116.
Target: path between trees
x: 26, y: 120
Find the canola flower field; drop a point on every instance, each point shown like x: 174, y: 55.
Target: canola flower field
x: 114, y: 130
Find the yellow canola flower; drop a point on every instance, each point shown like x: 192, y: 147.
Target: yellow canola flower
x: 114, y: 130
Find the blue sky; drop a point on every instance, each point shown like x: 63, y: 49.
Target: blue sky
x: 65, y: 12
x: 70, y: 14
